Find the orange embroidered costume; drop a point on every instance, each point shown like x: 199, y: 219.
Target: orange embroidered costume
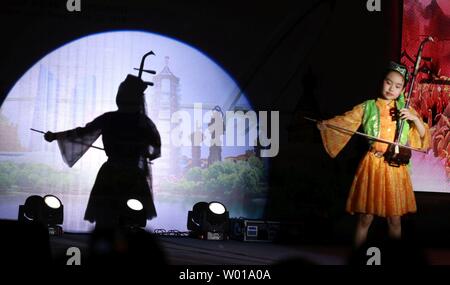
x: 378, y: 188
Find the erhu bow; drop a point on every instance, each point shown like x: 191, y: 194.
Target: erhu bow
x: 365, y: 135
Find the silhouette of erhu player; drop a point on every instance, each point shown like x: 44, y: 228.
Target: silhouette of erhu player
x: 130, y: 139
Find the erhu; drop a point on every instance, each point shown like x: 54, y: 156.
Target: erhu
x: 397, y: 154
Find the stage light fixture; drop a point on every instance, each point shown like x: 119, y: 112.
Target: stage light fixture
x: 53, y: 210
x: 135, y: 204
x: 195, y: 217
x: 133, y: 214
x: 52, y: 201
x: 209, y: 221
x: 47, y: 210
x: 32, y: 210
x: 217, y: 208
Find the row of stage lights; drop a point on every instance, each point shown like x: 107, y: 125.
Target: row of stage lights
x: 206, y: 220
x: 49, y: 211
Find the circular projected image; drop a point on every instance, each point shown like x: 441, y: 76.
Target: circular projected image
x: 78, y: 82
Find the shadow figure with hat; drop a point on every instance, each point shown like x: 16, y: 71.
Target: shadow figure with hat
x: 131, y: 141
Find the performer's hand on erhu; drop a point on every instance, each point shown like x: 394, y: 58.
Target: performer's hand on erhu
x: 406, y: 114
x: 49, y: 136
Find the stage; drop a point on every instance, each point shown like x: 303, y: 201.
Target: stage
x: 221, y: 102
x: 424, y: 233
x: 317, y: 242
x: 190, y: 251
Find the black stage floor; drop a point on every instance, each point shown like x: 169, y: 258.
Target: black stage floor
x: 191, y: 251
x: 426, y: 236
